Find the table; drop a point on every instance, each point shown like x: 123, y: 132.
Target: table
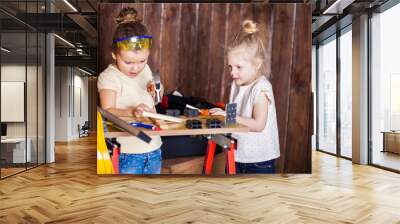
x: 16, y: 154
x: 215, y: 136
x: 391, y: 141
x: 176, y: 129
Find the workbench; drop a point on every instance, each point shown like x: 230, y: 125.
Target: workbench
x: 216, y: 136
x: 177, y: 129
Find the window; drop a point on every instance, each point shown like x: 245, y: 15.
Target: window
x: 327, y: 96
x: 385, y: 84
x: 346, y: 92
x: 22, y: 67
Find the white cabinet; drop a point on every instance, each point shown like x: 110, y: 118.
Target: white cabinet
x: 18, y: 149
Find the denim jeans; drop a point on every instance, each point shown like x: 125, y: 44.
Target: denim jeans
x: 141, y: 163
x: 260, y: 167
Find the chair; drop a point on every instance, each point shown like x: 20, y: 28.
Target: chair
x: 84, y: 129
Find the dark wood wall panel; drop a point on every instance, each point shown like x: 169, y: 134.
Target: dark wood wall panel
x: 203, y: 49
x: 232, y: 25
x: 246, y: 11
x: 264, y: 16
x: 187, y: 47
x: 189, y: 50
x: 169, y: 67
x: 217, y: 52
x: 152, y: 18
x: 281, y: 62
x: 92, y: 107
x: 299, y: 96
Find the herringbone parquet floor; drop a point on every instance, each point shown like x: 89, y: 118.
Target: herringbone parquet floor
x: 69, y: 191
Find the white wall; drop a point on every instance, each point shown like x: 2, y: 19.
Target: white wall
x: 71, y: 94
x: 14, y: 73
x: 33, y: 127
x: 61, y: 103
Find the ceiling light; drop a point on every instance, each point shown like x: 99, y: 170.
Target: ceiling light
x: 65, y: 41
x: 5, y: 50
x: 70, y: 5
x: 338, y: 6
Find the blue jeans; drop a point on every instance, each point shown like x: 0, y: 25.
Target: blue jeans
x: 260, y: 167
x: 141, y: 163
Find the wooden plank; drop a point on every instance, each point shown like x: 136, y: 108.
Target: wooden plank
x: 92, y: 105
x: 233, y: 26
x: 297, y: 154
x: 263, y: 16
x: 246, y: 11
x: 187, y: 49
x: 106, y: 29
x: 152, y: 18
x: 281, y: 69
x: 161, y: 117
x: 216, y: 56
x: 170, y: 46
x: 203, y: 49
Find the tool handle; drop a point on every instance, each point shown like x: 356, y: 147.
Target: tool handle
x: 124, y: 125
x: 141, y: 125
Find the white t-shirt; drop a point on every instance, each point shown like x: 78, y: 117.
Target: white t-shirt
x: 253, y: 147
x: 130, y: 93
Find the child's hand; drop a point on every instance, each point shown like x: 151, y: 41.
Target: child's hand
x: 217, y: 111
x: 138, y: 111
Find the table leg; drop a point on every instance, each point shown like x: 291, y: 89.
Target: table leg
x: 209, y: 157
x: 230, y: 159
x: 115, y: 160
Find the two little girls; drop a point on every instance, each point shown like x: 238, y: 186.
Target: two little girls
x: 123, y: 91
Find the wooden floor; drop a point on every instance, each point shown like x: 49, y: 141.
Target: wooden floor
x: 69, y: 191
x: 386, y: 159
x: 10, y: 171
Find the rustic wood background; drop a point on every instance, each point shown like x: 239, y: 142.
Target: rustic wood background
x: 189, y: 41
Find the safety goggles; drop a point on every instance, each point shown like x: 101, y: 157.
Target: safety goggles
x: 133, y: 43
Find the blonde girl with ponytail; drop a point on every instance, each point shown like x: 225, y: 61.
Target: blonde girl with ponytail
x: 252, y: 91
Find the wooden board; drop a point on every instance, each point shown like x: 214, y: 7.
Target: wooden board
x: 177, y: 129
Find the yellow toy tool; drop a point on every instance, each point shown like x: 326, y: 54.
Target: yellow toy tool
x: 104, y: 163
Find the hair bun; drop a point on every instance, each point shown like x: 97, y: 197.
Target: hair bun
x: 249, y: 27
x: 127, y: 15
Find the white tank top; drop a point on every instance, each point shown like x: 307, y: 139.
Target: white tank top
x: 253, y: 147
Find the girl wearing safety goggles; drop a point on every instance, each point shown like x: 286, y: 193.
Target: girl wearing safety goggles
x: 123, y: 89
